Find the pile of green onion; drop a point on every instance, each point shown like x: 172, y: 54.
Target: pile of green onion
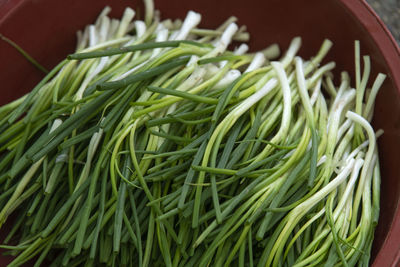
x: 154, y: 145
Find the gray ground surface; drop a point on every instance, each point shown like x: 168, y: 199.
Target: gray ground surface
x: 389, y: 11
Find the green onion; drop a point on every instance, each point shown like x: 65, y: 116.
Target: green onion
x: 154, y: 145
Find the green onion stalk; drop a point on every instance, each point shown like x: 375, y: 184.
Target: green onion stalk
x: 156, y: 145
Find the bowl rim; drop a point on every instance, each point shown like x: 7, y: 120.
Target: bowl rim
x: 389, y: 253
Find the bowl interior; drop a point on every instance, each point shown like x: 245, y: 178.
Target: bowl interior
x: 46, y: 29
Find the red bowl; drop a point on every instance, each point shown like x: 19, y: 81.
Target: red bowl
x: 46, y: 29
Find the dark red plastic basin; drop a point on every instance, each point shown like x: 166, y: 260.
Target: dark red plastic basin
x: 46, y: 29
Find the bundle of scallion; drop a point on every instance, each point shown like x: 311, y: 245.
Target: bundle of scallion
x: 154, y: 145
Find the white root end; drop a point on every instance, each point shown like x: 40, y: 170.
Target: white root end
x: 129, y: 14
x: 226, y: 38
x: 140, y: 27
x: 272, y: 52
x: 229, y: 77
x: 191, y: 21
x: 258, y: 60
